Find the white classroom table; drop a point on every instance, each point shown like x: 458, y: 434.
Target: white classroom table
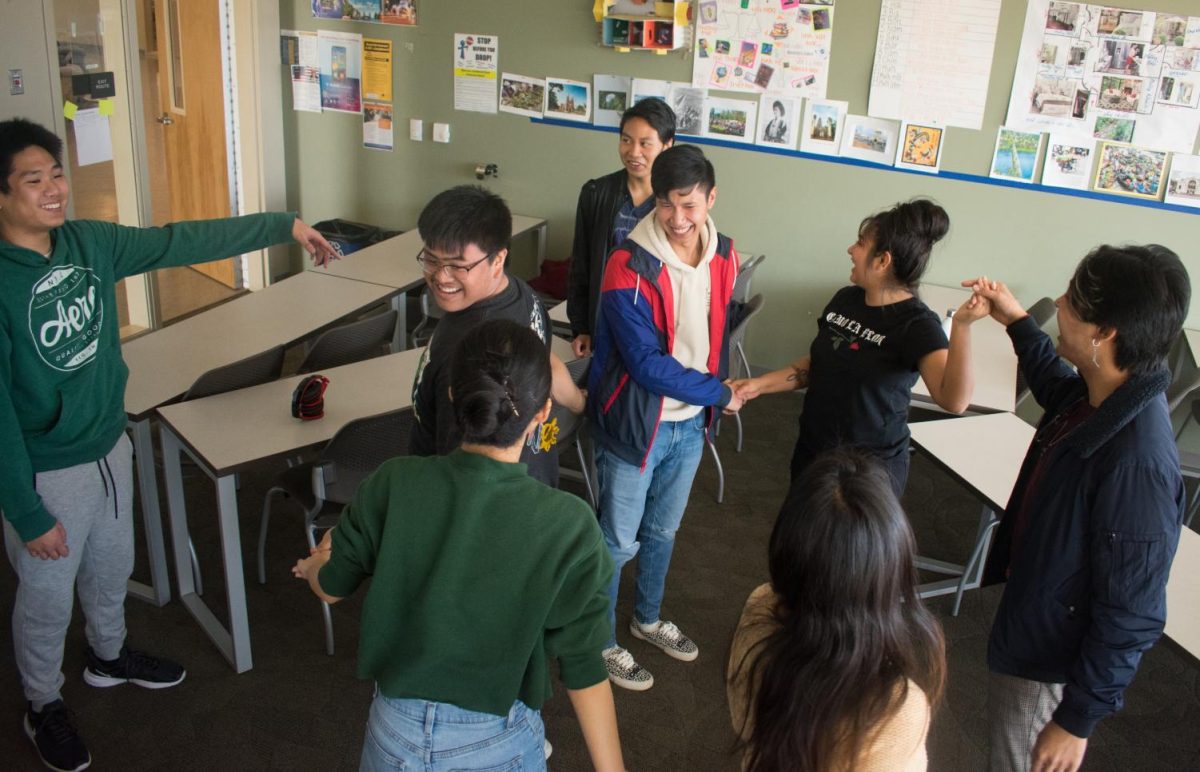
x: 984, y: 453
x: 1183, y: 594
x: 992, y: 358
x: 164, y: 364
x: 228, y: 432
x: 393, y: 263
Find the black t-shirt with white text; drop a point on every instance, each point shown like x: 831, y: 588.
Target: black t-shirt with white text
x: 435, y: 431
x: 864, y: 364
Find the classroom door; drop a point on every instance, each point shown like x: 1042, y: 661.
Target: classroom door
x: 191, y: 98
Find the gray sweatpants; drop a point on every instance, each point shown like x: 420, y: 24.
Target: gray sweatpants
x: 1018, y: 711
x: 93, y: 501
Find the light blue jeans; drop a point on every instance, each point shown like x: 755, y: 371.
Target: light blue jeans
x: 407, y: 734
x: 641, y: 511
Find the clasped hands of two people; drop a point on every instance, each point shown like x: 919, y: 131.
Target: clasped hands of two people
x: 988, y: 298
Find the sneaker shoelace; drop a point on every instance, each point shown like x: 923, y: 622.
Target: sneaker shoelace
x: 58, y: 726
x: 624, y: 660
x: 669, y: 632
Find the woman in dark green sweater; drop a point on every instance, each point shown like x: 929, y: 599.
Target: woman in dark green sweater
x: 481, y: 576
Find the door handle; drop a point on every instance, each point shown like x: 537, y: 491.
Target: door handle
x: 165, y: 119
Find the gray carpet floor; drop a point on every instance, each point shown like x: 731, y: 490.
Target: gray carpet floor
x: 301, y: 709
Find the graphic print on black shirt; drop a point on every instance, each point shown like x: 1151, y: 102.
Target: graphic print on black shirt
x: 435, y: 431
x: 865, y: 362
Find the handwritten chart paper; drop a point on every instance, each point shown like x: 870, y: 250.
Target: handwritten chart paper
x: 933, y: 59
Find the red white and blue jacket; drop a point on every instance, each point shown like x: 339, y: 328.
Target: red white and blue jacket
x: 632, y: 367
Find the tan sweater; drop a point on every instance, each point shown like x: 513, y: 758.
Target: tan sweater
x: 897, y: 746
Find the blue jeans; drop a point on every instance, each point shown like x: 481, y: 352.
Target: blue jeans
x: 642, y: 510
x: 405, y: 734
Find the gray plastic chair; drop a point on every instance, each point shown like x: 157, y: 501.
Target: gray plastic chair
x: 741, y: 286
x: 430, y: 313
x: 323, y: 487
x: 571, y: 428
x: 353, y: 342
x: 739, y: 367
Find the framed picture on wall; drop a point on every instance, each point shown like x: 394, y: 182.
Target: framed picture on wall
x: 778, y: 121
x: 730, y: 119
x: 921, y: 146
x: 1015, y: 156
x: 1125, y: 170
x: 821, y: 131
x: 1068, y: 162
x: 871, y: 139
x: 569, y: 100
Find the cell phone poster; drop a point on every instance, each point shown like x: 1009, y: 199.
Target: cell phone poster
x: 339, y: 57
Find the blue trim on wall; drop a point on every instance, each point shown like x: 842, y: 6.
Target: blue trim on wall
x: 945, y: 175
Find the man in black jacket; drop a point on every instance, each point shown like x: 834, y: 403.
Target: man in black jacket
x: 609, y: 207
x: 1088, y: 536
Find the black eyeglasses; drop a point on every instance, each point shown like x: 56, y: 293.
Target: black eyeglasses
x: 431, y: 264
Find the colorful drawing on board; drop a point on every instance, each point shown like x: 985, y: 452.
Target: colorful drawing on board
x: 921, y: 147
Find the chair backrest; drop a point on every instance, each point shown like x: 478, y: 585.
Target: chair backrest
x: 747, y: 312
x: 430, y: 311
x: 353, y: 342
x: 569, y: 423
x: 357, y: 450
x: 741, y: 286
x: 1042, y: 310
x: 251, y: 371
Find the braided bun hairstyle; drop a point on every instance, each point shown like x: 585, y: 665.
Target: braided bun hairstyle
x: 908, y: 230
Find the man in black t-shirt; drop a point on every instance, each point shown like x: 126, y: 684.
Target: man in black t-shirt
x: 465, y: 231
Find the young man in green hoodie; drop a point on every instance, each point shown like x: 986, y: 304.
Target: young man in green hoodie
x: 66, y: 487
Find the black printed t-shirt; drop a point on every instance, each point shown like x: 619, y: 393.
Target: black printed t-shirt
x: 864, y: 364
x: 435, y: 432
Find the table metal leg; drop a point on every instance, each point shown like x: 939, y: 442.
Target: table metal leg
x: 158, y: 591
x: 541, y: 244
x: 234, y: 643
x: 400, y: 336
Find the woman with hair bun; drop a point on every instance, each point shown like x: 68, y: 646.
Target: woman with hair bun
x: 836, y: 664
x: 873, y: 339
x: 481, y: 576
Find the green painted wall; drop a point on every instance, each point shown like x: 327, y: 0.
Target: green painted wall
x: 800, y: 213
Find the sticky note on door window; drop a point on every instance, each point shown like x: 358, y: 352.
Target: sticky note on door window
x: 69, y: 110
x: 106, y: 107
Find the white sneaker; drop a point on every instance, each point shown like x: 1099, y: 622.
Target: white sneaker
x: 547, y: 748
x: 624, y: 671
x: 666, y: 636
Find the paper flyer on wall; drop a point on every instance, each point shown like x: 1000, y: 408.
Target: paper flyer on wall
x: 476, y: 59
x: 377, y: 125
x: 327, y: 9
x: 933, y: 63
x: 522, y: 95
x: 377, y: 70
x: 612, y: 98
x: 306, y: 89
x: 1108, y: 73
x: 360, y: 10
x: 340, y: 58
x: 399, y: 12
x: 646, y: 88
x: 308, y: 49
x: 93, y: 140
x: 773, y: 46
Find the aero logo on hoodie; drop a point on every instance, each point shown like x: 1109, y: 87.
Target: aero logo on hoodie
x: 66, y: 316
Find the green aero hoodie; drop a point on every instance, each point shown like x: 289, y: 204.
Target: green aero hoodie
x: 62, y: 378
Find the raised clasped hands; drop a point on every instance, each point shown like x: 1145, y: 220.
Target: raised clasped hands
x: 1002, y: 305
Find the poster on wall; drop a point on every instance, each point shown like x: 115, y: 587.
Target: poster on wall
x: 339, y: 55
x: 327, y: 9
x: 399, y: 12
x: 360, y: 10
x: 377, y: 70
x: 1108, y: 73
x: 476, y: 59
x: 763, y: 46
x: 570, y: 100
x: 377, y: 125
x: 369, y: 11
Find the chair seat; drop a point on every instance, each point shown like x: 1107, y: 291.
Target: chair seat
x: 296, y: 482
x: 1189, y: 463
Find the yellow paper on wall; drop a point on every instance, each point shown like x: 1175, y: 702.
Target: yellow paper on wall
x: 69, y: 110
x: 377, y: 69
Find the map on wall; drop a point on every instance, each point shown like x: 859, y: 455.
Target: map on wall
x: 772, y: 46
x: 1108, y: 73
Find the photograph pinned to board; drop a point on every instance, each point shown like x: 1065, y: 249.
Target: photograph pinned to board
x: 1183, y: 185
x: 730, y: 119
x: 522, y: 95
x: 361, y: 10
x: 1068, y: 162
x: 870, y: 139
x: 1179, y: 90
x: 570, y: 100
x: 1125, y: 170
x: 1016, y: 154
x: 687, y: 102
x: 1114, y: 129
x: 377, y: 126
x: 648, y: 88
x: 821, y: 131
x: 339, y: 56
x: 399, y: 12
x: 921, y: 146
x: 327, y: 9
x: 778, y: 121
x: 612, y: 98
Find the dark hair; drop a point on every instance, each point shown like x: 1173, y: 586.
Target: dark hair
x: 18, y: 134
x: 848, y: 631
x: 907, y: 230
x: 467, y: 214
x: 655, y: 112
x: 681, y: 167
x: 1142, y: 292
x: 777, y: 105
x: 499, y: 379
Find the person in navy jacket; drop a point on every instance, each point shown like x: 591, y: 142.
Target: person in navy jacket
x: 658, y: 372
x: 1090, y: 531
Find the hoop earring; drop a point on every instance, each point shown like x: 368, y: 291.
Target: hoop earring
x: 1095, y: 350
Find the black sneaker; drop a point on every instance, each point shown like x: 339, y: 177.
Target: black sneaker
x: 55, y: 737
x: 132, y: 667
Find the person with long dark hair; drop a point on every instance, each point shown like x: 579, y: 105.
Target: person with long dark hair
x: 836, y: 664
x: 873, y: 339
x: 481, y: 576
x: 1091, y: 527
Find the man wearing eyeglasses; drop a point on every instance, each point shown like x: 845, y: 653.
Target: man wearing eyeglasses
x: 465, y: 231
